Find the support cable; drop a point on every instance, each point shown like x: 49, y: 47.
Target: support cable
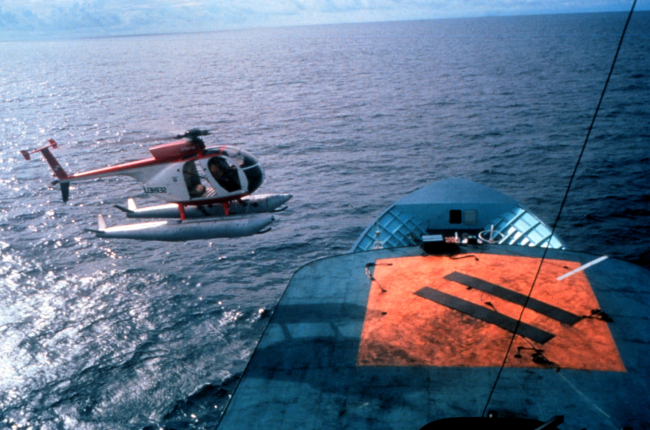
x: 557, y: 219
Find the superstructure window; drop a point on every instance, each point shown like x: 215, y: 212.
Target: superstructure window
x: 471, y: 217
x: 455, y: 217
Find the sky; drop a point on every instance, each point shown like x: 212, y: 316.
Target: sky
x: 45, y: 19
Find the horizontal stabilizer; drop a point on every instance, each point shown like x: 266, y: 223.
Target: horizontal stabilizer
x: 54, y: 164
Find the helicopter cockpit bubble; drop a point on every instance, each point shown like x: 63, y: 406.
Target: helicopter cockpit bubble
x: 247, y: 162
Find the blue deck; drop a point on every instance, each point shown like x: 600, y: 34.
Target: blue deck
x: 305, y: 372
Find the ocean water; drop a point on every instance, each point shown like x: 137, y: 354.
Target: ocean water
x: 114, y: 334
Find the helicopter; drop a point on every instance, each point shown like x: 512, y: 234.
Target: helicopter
x: 196, y: 182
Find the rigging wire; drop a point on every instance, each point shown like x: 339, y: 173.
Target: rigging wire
x: 557, y: 219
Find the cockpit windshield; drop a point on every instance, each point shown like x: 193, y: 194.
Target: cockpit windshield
x: 240, y: 157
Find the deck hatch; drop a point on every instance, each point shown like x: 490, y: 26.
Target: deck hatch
x: 514, y: 297
x: 526, y: 330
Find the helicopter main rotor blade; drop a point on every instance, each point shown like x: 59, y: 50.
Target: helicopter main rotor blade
x: 193, y: 133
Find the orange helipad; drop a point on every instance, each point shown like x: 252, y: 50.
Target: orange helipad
x: 439, y: 311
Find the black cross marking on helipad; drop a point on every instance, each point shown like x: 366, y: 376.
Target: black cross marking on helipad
x: 515, y: 297
x: 505, y: 322
x: 485, y: 314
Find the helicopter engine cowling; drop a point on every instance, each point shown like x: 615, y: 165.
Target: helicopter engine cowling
x: 168, y: 184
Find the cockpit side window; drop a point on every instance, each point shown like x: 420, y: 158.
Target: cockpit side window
x: 192, y: 180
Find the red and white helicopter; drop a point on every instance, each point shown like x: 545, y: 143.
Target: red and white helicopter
x: 213, y: 186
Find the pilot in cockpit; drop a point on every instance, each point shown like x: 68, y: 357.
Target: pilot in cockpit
x: 225, y: 175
